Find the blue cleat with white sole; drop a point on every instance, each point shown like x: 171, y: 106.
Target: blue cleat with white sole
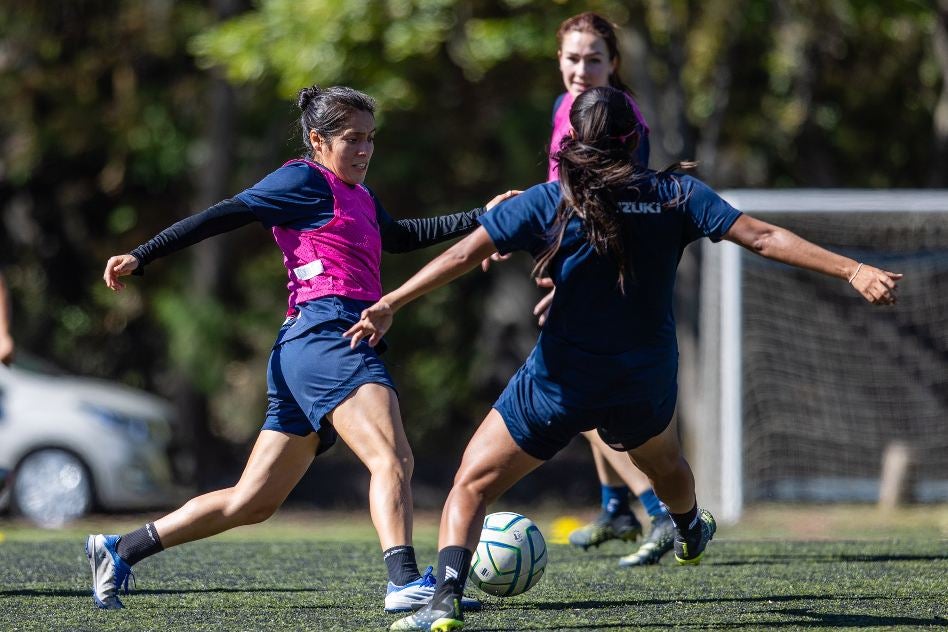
x: 109, y: 571
x: 415, y: 595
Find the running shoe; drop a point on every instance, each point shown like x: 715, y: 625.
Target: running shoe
x: 623, y: 526
x: 690, y: 547
x: 109, y: 571
x: 417, y: 594
x: 660, y: 540
x: 441, y: 615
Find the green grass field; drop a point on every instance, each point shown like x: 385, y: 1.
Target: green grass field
x: 781, y: 568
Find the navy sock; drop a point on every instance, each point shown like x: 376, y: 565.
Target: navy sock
x: 615, y: 499
x: 454, y: 563
x: 135, y: 546
x: 687, y: 521
x: 401, y: 564
x: 653, y: 506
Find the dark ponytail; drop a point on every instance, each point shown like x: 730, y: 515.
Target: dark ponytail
x: 594, y: 164
x: 327, y: 111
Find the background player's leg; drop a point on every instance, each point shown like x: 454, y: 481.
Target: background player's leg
x: 615, y: 468
x: 615, y: 519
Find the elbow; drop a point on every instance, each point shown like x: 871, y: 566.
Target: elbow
x: 461, y: 257
x: 763, y: 242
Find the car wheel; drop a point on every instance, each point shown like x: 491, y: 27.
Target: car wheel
x: 52, y: 487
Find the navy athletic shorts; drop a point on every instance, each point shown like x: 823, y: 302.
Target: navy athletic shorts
x: 312, y: 369
x: 542, y: 427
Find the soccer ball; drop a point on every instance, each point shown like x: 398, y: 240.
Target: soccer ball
x: 511, y: 556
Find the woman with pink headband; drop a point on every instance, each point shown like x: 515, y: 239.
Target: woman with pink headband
x: 589, y: 57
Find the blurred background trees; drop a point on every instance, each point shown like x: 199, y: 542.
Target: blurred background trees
x: 121, y: 117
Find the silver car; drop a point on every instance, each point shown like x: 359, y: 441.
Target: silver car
x: 70, y: 444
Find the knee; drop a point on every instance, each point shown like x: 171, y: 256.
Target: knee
x: 661, y: 465
x: 250, y: 509
x: 398, y: 466
x: 471, y: 486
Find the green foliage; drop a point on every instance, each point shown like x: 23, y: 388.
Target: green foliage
x: 108, y: 107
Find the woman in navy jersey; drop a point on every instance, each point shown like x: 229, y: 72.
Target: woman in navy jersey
x: 589, y: 57
x: 331, y: 230
x: 610, y: 233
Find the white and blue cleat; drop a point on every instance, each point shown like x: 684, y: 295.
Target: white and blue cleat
x: 109, y: 571
x: 415, y: 595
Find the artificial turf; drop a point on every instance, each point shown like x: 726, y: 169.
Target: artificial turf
x: 288, y: 578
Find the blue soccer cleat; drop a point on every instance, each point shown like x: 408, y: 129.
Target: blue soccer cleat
x: 109, y: 571
x: 417, y: 594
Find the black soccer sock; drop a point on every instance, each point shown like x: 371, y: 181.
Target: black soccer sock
x: 401, y: 564
x: 454, y: 563
x: 135, y: 546
x: 687, y: 521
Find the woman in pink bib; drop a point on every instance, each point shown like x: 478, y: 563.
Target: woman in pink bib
x: 331, y: 230
x: 589, y: 57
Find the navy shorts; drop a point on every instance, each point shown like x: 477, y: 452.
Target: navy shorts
x: 312, y: 369
x: 543, y: 427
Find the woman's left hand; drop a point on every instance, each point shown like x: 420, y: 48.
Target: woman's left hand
x: 876, y: 286
x: 375, y: 321
x: 497, y: 199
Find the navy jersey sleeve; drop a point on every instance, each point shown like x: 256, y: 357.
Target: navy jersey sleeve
x: 523, y: 222
x: 220, y: 218
x: 295, y: 195
x: 405, y: 235
x: 707, y: 213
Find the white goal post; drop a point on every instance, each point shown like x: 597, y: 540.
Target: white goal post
x: 774, y: 339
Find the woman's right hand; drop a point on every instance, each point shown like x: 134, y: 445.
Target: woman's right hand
x: 119, y: 265
x: 542, y: 309
x: 373, y: 323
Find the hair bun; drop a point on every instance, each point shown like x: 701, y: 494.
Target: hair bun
x: 306, y: 96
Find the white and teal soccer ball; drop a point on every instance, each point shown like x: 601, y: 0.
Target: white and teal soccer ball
x: 511, y: 556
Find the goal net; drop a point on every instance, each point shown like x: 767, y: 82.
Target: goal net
x: 799, y: 385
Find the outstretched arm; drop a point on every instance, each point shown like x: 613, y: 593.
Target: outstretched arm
x: 876, y: 286
x: 405, y: 235
x: 452, y: 263
x: 220, y: 218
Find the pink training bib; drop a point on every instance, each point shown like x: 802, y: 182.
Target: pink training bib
x: 561, y: 127
x: 341, y: 258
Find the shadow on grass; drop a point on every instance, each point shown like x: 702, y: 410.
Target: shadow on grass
x: 841, y: 620
x: 795, y: 617
x: 39, y: 592
x: 597, y: 603
x: 827, y: 558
